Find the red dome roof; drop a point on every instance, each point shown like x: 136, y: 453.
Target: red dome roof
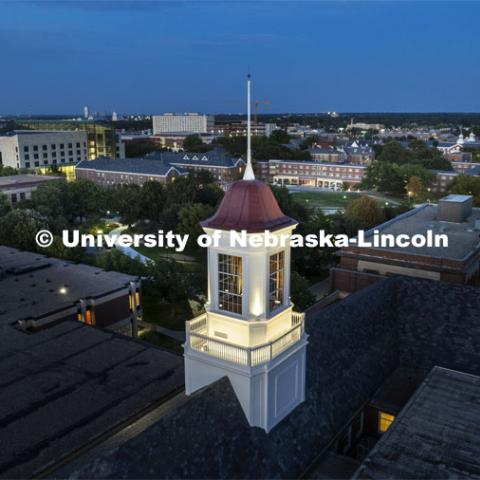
x: 249, y: 205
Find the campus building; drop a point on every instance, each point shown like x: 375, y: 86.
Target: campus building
x: 394, y: 364
x: 354, y: 153
x: 459, y: 262
x: 163, y: 167
x: 36, y: 149
x: 39, y: 292
x: 102, y: 140
x: 315, y: 174
x: 239, y: 129
x: 108, y: 172
x: 20, y: 187
x: 378, y: 362
x: 182, y: 122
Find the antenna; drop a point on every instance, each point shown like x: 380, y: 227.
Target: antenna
x: 249, y: 175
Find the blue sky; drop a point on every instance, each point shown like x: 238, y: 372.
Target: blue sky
x: 305, y: 56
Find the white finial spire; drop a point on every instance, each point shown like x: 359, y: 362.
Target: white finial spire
x: 249, y: 175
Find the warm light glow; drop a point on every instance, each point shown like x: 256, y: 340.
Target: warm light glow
x: 99, y: 232
x: 89, y: 316
x: 384, y: 421
x: 62, y: 290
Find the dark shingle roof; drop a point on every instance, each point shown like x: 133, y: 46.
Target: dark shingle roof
x: 437, y: 435
x: 66, y: 386
x: 213, y: 158
x: 145, y: 165
x: 353, y: 347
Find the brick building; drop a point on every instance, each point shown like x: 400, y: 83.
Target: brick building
x: 39, y: 292
x: 162, y: 167
x: 457, y: 263
x: 311, y: 173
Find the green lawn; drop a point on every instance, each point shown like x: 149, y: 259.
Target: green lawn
x: 324, y: 199
x: 169, y: 316
x: 161, y: 340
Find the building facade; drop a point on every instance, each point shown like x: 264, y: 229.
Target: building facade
x: 355, y: 153
x: 458, y: 262
x: 239, y: 129
x: 108, y: 172
x: 334, y: 176
x: 20, y: 187
x: 40, y: 149
x: 186, y: 122
x: 102, y: 140
x: 162, y: 167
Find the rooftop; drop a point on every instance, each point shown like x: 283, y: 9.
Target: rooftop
x: 34, y: 285
x: 144, y: 165
x: 457, y: 198
x: 463, y: 239
x: 365, y: 337
x: 159, y: 163
x: 13, y: 181
x: 437, y: 435
x: 66, y: 387
x: 216, y: 157
x: 249, y: 205
x: 37, y: 132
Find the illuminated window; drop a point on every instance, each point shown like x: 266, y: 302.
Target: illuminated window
x: 89, y: 315
x: 384, y: 421
x: 276, y: 284
x: 230, y: 288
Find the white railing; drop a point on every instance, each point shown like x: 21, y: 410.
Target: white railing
x: 198, y: 340
x: 198, y: 324
x: 297, y: 318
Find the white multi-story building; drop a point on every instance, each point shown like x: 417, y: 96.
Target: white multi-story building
x: 39, y: 149
x: 185, y: 122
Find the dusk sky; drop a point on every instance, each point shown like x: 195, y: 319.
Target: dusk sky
x: 305, y: 56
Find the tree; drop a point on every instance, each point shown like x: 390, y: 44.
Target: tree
x: 7, y: 171
x: 364, y: 213
x: 467, y: 185
x: 193, y: 143
x: 302, y: 298
x: 139, y: 148
x: 415, y: 187
x: 392, y: 178
x: 288, y: 205
x: 125, y: 199
x: 309, y: 142
x: 393, y: 152
x: 384, y: 177
x: 5, y: 206
x: 169, y: 281
x: 151, y: 201
x: 279, y: 136
x: 50, y: 199
x: 19, y: 227
x: 189, y: 219
x: 84, y: 199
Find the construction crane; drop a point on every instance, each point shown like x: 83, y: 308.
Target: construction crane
x: 256, y: 103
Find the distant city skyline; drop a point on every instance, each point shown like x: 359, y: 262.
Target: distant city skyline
x: 307, y: 56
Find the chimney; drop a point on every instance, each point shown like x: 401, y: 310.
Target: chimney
x: 455, y: 208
